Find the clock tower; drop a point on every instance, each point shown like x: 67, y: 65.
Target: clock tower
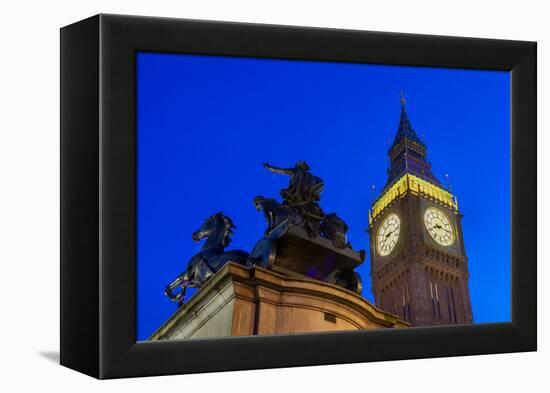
x: 419, y: 268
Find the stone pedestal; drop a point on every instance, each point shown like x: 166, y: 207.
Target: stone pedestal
x: 241, y: 301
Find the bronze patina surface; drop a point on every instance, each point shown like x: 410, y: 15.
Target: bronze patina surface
x: 217, y: 229
x: 300, y: 239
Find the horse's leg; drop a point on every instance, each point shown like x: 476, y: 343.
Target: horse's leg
x: 182, y: 282
x: 173, y: 285
x: 181, y: 296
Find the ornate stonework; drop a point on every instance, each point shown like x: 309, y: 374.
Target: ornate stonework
x: 241, y: 301
x: 411, y: 184
x: 422, y: 275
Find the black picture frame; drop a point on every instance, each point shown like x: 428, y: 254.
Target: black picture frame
x: 98, y: 186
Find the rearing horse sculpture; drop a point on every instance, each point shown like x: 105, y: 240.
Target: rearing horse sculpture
x: 218, y: 229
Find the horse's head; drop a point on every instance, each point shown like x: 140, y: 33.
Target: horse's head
x: 217, y: 227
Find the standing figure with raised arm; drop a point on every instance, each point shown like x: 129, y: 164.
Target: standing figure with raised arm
x: 302, y: 194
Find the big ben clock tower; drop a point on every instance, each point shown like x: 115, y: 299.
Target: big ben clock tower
x: 419, y: 267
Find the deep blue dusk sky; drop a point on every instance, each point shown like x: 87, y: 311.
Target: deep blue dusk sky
x: 207, y: 123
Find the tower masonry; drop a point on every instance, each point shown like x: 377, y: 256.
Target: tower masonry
x: 419, y: 268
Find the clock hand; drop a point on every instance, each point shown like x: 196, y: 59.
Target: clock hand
x: 440, y: 227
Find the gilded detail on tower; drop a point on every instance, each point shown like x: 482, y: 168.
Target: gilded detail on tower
x: 417, y: 250
x: 415, y: 185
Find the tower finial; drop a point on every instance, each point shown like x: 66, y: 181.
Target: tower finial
x: 403, y: 99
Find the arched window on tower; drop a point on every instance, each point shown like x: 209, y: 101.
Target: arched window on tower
x: 436, y: 308
x: 406, y: 303
x: 451, y: 305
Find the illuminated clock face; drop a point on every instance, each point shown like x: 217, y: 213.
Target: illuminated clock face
x: 439, y: 226
x: 388, y: 234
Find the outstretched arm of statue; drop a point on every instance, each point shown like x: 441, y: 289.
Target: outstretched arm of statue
x: 275, y: 169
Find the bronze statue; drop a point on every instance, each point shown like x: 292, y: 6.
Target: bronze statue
x: 303, y: 186
x: 346, y: 278
x: 275, y: 213
x: 299, y: 236
x: 335, y: 229
x: 302, y: 194
x: 218, y: 229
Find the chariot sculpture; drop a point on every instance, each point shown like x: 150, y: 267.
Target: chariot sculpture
x: 299, y: 239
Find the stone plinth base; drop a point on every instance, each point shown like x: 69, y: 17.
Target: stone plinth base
x: 241, y: 301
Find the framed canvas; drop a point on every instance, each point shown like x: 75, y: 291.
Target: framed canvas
x: 404, y: 225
